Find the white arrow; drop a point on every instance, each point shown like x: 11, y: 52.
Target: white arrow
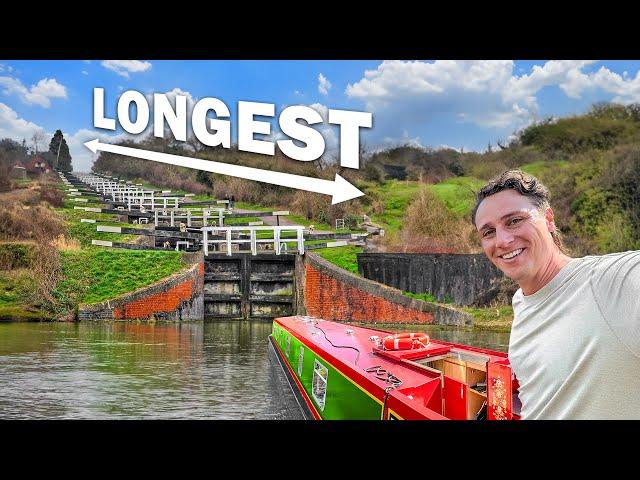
x: 339, y: 189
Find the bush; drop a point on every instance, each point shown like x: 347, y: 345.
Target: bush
x: 23, y: 222
x: 16, y: 255
x: 52, y: 196
x: 351, y: 221
x: 429, y: 227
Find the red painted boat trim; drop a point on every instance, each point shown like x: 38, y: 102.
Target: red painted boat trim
x: 336, y: 363
x: 303, y: 392
x: 399, y: 403
x: 366, y: 384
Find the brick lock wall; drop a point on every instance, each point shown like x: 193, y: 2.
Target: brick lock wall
x: 330, y: 299
x: 178, y: 297
x: 167, y: 301
x: 335, y: 294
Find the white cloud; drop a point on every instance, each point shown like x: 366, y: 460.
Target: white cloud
x: 489, y: 94
x: 81, y: 157
x: 124, y: 67
x: 324, y: 85
x: 38, y: 94
x: 402, y: 140
x: 323, y: 110
x: 11, y: 126
x: 84, y: 72
x: 414, y: 92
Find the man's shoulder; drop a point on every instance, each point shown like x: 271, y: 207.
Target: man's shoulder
x: 603, y: 263
x: 614, y: 271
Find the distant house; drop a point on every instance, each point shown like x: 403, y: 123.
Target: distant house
x: 18, y: 171
x: 38, y: 164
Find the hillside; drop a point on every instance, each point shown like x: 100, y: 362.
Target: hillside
x: 47, y: 264
x: 423, y: 197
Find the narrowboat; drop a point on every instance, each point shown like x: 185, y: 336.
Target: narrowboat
x: 340, y: 371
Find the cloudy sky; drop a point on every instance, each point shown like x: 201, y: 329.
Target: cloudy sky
x: 459, y: 104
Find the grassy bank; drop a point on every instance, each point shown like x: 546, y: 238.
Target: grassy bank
x: 395, y: 196
x: 458, y: 193
x: 65, y: 269
x: 343, y: 257
x: 15, y: 288
x: 496, y: 319
x: 94, y: 274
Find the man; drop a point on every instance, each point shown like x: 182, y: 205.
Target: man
x: 575, y: 339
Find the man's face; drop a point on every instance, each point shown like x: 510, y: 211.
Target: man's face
x: 515, y: 236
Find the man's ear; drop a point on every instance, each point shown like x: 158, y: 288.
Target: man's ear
x: 548, y: 216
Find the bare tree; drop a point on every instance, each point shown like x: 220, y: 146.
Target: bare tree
x: 194, y: 143
x: 37, y: 138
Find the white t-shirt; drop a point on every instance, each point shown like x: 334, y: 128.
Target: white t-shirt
x: 575, y: 343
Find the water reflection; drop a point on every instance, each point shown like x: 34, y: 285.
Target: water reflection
x: 138, y: 370
x: 217, y: 370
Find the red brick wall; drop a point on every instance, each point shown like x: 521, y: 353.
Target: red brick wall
x: 166, y: 301
x: 329, y: 298
x: 176, y: 297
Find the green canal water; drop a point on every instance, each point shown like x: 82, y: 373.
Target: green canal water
x: 118, y: 370
x: 123, y: 370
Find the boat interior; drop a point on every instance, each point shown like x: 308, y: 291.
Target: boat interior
x: 469, y: 371
x: 457, y: 388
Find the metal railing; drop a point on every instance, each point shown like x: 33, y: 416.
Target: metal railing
x: 234, y: 236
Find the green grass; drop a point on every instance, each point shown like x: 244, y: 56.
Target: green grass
x: 252, y: 206
x: 230, y: 222
x: 343, y: 257
x: 427, y: 297
x: 302, y: 220
x: 85, y: 232
x: 542, y: 169
x: 497, y: 319
x: 72, y: 215
x: 94, y: 274
x: 22, y: 181
x: 15, y: 288
x: 396, y: 196
x: 458, y: 193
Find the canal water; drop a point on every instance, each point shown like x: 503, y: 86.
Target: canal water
x: 118, y: 370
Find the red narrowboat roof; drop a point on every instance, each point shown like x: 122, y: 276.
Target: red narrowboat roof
x: 358, y: 355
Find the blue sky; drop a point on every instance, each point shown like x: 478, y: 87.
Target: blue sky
x: 459, y: 104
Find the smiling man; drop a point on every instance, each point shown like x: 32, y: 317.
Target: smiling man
x: 575, y: 339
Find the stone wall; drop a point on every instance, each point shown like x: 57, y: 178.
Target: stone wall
x: 178, y: 297
x: 466, y: 279
x: 332, y: 293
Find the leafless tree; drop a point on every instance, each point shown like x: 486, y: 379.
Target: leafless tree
x: 37, y: 138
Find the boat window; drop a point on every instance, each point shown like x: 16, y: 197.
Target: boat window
x: 300, y: 360
x: 319, y: 390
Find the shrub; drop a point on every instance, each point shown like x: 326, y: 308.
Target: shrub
x: 23, y: 222
x: 52, y: 196
x: 16, y: 255
x: 430, y: 227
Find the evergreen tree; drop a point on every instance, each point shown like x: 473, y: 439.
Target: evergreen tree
x: 64, y: 158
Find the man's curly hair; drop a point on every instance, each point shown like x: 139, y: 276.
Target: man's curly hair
x: 524, y: 184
